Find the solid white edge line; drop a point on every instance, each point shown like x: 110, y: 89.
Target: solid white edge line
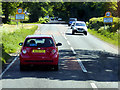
x: 94, y: 86
x: 82, y: 66
x: 8, y: 67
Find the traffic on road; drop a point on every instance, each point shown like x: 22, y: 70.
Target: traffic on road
x: 59, y: 45
x: 39, y: 50
x: 82, y: 62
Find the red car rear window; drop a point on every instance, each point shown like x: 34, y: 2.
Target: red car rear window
x: 39, y: 42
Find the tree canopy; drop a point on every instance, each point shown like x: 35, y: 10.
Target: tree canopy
x: 65, y: 10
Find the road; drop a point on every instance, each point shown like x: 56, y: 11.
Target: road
x: 84, y: 62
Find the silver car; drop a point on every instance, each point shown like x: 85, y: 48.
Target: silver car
x: 73, y: 23
x: 79, y: 27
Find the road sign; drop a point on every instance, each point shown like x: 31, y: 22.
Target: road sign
x: 20, y: 16
x: 108, y: 14
x: 19, y: 10
x: 108, y: 18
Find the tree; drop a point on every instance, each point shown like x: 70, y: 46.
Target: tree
x: 37, y: 10
x: 118, y: 9
x: 9, y: 8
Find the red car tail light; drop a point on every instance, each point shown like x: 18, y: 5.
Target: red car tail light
x: 24, y: 51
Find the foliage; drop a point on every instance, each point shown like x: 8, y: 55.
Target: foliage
x: 5, y: 56
x: 9, y: 8
x: 37, y: 10
x: 13, y: 23
x: 97, y: 24
x: 0, y: 8
x: 11, y: 45
x: 108, y: 33
x: 65, y: 10
x: 43, y: 20
x: 104, y: 35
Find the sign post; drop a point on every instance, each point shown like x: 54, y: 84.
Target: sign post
x: 20, y: 16
x: 108, y: 18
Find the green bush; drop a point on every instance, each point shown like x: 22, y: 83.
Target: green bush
x: 110, y: 34
x: 13, y: 23
x: 97, y: 23
x: 43, y: 20
x: 46, y: 19
x: 107, y: 32
x: 10, y: 41
x: 105, y: 35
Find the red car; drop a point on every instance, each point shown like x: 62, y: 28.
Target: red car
x: 39, y: 50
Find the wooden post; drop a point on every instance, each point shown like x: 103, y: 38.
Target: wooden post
x: 104, y: 26
x: 17, y: 23
x: 22, y: 24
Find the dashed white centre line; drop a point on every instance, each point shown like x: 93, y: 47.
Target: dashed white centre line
x: 64, y: 37
x: 68, y: 42
x: 82, y: 66
x: 73, y: 50
x: 79, y: 61
x: 94, y: 86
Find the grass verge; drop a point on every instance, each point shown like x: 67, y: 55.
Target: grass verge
x: 11, y: 40
x: 104, y: 37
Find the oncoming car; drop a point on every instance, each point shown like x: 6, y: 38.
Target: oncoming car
x: 39, y: 50
x: 73, y: 23
x: 79, y: 27
x: 71, y: 20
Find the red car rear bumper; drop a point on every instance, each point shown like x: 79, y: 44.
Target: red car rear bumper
x: 38, y: 60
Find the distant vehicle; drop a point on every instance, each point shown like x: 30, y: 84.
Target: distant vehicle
x: 59, y: 19
x: 55, y: 18
x: 79, y: 27
x: 39, y: 50
x: 71, y: 20
x: 51, y: 18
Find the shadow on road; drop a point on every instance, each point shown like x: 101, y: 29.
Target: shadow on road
x: 75, y: 34
x: 101, y: 66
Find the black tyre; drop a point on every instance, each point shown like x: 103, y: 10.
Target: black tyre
x: 85, y: 33
x: 68, y: 24
x: 73, y: 32
x: 56, y: 68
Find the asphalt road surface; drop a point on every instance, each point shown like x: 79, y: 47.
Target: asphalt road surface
x: 84, y: 62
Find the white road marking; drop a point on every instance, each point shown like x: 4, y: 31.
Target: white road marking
x: 82, y: 66
x: 64, y: 37
x: 79, y: 61
x: 8, y: 67
x: 73, y: 50
x: 94, y: 86
x: 68, y: 42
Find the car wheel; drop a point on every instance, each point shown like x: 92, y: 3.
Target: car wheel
x: 22, y: 67
x: 56, y: 67
x: 73, y: 32
x: 85, y: 33
x: 68, y: 24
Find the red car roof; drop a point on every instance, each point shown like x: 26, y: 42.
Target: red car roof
x: 35, y: 36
